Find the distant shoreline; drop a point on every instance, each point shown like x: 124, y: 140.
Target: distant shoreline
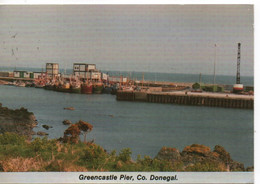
x: 38, y: 69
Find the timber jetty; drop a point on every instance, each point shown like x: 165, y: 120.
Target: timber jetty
x: 226, y: 100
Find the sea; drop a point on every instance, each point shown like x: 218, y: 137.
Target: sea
x: 143, y: 127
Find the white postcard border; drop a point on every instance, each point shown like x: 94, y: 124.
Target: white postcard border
x: 127, y: 177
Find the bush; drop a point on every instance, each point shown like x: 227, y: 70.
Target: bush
x: 94, y: 157
x: 196, y: 86
x: 12, y: 138
x: 204, y: 167
x: 44, y: 147
x: 13, y: 145
x: 125, y: 155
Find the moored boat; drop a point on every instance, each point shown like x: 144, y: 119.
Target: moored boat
x: 63, y: 88
x: 86, y: 88
x: 114, y: 89
x: 75, y: 89
x: 107, y: 89
x: 49, y: 87
x: 39, y: 85
x: 21, y: 84
x: 97, y: 87
x: 29, y: 84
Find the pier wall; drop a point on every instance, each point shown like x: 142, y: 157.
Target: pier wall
x: 187, y: 99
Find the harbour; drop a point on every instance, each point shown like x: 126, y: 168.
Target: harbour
x: 166, y: 88
x: 87, y: 79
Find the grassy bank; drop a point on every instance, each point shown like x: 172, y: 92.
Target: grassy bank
x: 41, y: 154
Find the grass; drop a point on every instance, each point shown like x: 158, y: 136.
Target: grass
x: 42, y: 154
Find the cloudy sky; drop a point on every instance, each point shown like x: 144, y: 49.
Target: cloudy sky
x: 157, y: 38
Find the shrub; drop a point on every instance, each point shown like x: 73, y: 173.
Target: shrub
x: 125, y: 155
x: 94, y: 157
x: 205, y: 167
x: 44, y: 147
x: 12, y: 138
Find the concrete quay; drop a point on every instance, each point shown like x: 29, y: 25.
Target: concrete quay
x: 226, y: 100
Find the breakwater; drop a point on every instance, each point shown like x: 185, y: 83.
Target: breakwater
x: 198, y: 99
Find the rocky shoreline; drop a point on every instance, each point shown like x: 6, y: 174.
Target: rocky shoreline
x: 18, y: 121
x: 192, y: 158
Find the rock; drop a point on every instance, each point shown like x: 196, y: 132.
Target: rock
x: 18, y: 121
x: 67, y: 122
x: 225, y: 157
x: 169, y: 154
x: 46, y: 127
x: 42, y: 133
x: 197, y: 153
x: 236, y: 166
x: 69, y: 108
x: 197, y: 149
x: 250, y: 169
x: 222, y: 153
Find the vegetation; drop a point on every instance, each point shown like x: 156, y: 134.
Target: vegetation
x: 85, y: 127
x: 196, y: 86
x: 20, y: 154
x: 72, y: 133
x: 42, y: 154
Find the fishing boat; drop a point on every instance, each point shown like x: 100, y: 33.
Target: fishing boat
x: 20, y: 84
x: 39, y: 86
x: 98, y: 87
x: 75, y: 88
x: 107, y: 89
x: 115, y: 87
x: 128, y: 88
x: 63, y: 87
x: 49, y: 86
x: 86, y: 88
x: 75, y: 85
x: 11, y: 83
x: 29, y: 84
x: 40, y: 83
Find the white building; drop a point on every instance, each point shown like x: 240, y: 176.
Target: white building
x: 21, y: 74
x: 84, y: 70
x: 84, y: 75
x: 104, y: 77
x: 52, y: 69
x: 96, y: 75
x: 83, y: 67
x: 117, y: 79
x: 37, y: 75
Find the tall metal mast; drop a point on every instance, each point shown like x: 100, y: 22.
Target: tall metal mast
x: 238, y: 64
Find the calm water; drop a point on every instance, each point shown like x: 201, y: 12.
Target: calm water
x: 143, y: 127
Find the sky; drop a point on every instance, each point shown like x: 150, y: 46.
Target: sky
x: 147, y: 38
